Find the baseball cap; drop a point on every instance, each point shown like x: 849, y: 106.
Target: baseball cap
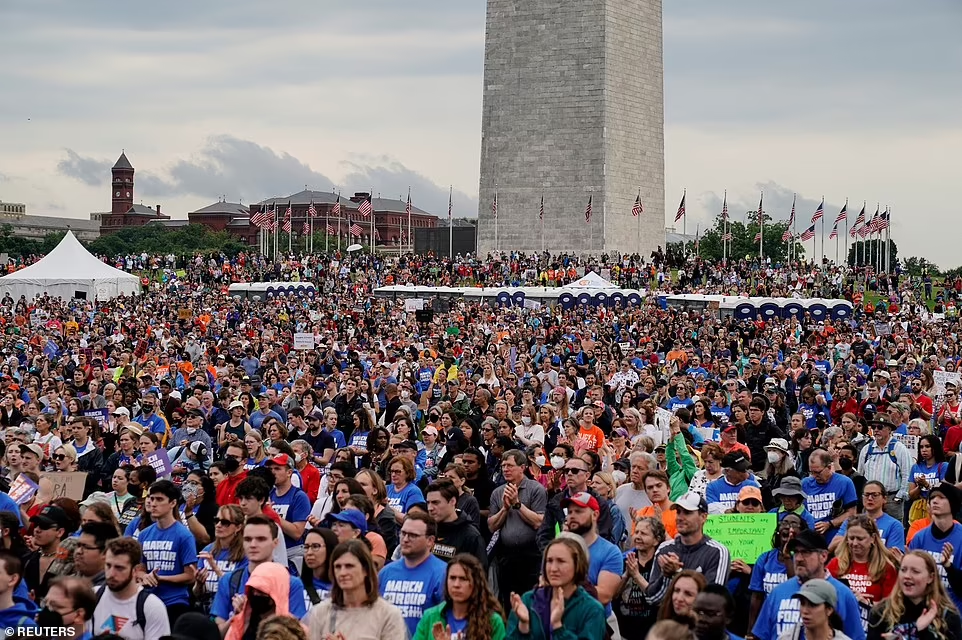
x: 51, y: 516
x: 33, y: 448
x: 736, y: 461
x: 818, y: 591
x: 122, y: 411
x: 747, y: 493
x: 352, y: 517
x: 808, y: 540
x: 691, y: 501
x: 406, y: 444
x: 282, y: 460
x: 430, y: 430
x: 197, y: 413
x: 198, y: 448
x: 584, y: 500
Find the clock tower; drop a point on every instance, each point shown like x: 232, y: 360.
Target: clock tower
x: 121, y: 186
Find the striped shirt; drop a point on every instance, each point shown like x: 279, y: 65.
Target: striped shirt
x: 890, y: 464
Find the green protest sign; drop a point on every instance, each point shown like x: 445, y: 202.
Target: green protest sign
x: 747, y: 535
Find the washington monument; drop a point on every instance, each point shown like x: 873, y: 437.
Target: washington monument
x: 573, y: 108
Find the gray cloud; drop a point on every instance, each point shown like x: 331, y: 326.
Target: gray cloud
x: 251, y: 172
x: 90, y: 171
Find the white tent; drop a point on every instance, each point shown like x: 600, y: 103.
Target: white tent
x: 590, y: 280
x: 70, y: 271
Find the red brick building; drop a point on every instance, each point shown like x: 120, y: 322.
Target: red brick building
x: 123, y: 212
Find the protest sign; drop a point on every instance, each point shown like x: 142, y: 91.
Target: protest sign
x: 102, y: 415
x: 911, y: 443
x: 941, y: 378
x: 160, y: 461
x: 747, y: 535
x: 69, y: 484
x: 185, y: 313
x: 414, y: 304
x: 22, y: 489
x: 303, y: 341
x: 532, y: 304
x: 883, y: 329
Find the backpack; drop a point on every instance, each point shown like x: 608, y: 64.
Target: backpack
x: 142, y: 596
x: 235, y: 581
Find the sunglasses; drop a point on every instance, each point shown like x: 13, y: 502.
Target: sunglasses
x: 224, y: 522
x: 751, y: 502
x: 59, y: 457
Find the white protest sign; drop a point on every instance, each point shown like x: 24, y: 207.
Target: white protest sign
x: 941, y: 378
x: 303, y: 341
x: 911, y: 443
x: 414, y: 304
x: 531, y: 304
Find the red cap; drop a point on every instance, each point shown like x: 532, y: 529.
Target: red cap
x: 282, y: 460
x: 583, y: 499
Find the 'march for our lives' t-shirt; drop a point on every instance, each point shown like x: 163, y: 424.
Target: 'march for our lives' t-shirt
x: 413, y: 590
x: 293, y: 506
x: 721, y: 495
x: 769, y: 572
x: 401, y: 500
x: 169, y: 551
x: 825, y: 499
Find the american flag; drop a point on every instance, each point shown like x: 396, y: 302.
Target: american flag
x: 876, y: 221
x: 312, y: 210
x: 336, y: 209
x: 726, y: 236
x: 819, y: 213
x: 681, y: 208
x: 883, y: 221
x: 843, y: 214
x: 834, y: 233
x: 808, y: 234
x: 287, y: 218
x: 637, y: 209
x: 859, y: 222
x: 494, y: 206
x: 725, y: 207
x: 869, y: 227
x: 541, y: 210
x: 787, y: 236
x: 287, y: 225
x: 306, y: 229
x: 450, y: 204
x: 761, y: 211
x: 377, y: 234
x: 588, y: 211
x: 330, y: 229
x: 407, y: 207
x: 356, y: 230
x: 260, y: 218
x: 365, y: 207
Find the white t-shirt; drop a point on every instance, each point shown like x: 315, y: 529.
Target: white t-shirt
x: 120, y: 617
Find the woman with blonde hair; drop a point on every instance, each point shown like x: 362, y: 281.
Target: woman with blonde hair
x: 918, y: 607
x: 863, y: 562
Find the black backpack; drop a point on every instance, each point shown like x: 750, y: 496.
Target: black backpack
x: 142, y: 596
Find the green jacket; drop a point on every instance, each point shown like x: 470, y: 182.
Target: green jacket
x: 436, y: 614
x: 679, y: 475
x: 583, y: 619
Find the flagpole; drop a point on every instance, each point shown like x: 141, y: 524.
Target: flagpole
x: 724, y: 227
x: 888, y: 240
x: 846, y: 232
x: 497, y: 246
x: 761, y: 229
x: 541, y: 215
x: 684, y: 216
x: 373, y: 240
x: 450, y: 224
x: 410, y: 241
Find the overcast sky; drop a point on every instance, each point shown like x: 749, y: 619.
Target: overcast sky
x: 858, y: 99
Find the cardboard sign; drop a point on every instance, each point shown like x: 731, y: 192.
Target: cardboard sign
x: 185, y: 314
x: 22, y: 489
x: 747, y: 535
x: 67, y: 484
x: 160, y: 461
x: 911, y: 443
x: 303, y: 341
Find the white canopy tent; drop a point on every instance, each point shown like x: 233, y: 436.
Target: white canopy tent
x: 590, y: 280
x: 70, y: 271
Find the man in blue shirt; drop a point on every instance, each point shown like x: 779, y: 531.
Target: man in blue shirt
x: 781, y: 611
x: 170, y: 551
x: 831, y: 496
x: 605, y: 562
x: 722, y: 494
x: 291, y: 504
x: 416, y: 582
x: 149, y: 419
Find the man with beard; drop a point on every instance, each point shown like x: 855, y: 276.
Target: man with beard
x: 605, y: 562
x: 124, y: 607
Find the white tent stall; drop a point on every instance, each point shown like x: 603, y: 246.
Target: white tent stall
x: 70, y: 271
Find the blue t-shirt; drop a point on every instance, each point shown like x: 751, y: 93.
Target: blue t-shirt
x: 339, y: 441
x: 804, y: 515
x: 823, y: 499
x: 401, y: 500
x: 721, y: 492
x: 810, y: 411
x: 925, y: 541
x: 322, y: 588
x: 891, y: 531
x: 457, y: 627
x: 934, y: 474
x: 225, y: 565
x: 413, y: 590
x: 781, y: 611
x: 359, y: 439
x: 7, y: 504
x: 293, y: 506
x: 769, y: 572
x: 676, y: 403
x: 155, y: 423
x: 258, y: 417
x: 720, y: 412
x: 169, y: 551
x: 604, y: 556
x: 297, y: 601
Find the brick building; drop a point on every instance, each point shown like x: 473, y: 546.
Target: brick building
x: 123, y: 212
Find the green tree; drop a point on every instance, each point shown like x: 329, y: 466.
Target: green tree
x: 866, y: 252
x: 916, y: 266
x: 155, y: 238
x: 743, y: 242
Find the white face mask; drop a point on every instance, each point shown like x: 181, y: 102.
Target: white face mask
x: 299, y: 457
x: 557, y: 462
x: 774, y: 457
x: 525, y: 420
x: 539, y: 460
x: 191, y: 431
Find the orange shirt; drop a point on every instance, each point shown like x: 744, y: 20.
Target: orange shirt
x: 668, y: 518
x: 593, y: 438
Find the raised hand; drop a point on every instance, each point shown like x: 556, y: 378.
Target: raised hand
x: 928, y: 616
x: 557, y: 607
x: 440, y: 631
x: 947, y: 552
x: 520, y: 609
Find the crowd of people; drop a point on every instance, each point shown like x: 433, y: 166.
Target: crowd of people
x: 480, y: 472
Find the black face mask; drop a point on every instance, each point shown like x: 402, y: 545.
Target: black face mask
x: 231, y: 464
x: 49, y: 618
x: 260, y: 604
x: 845, y: 464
